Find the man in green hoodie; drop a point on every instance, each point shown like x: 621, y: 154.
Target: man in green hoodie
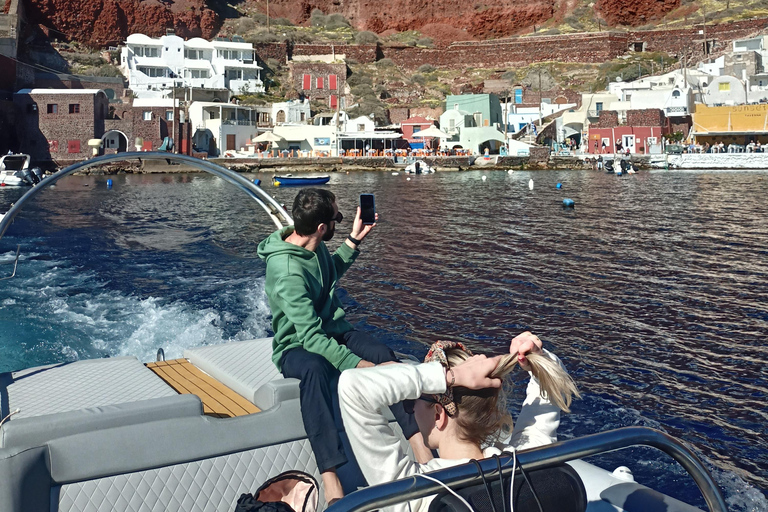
x: 313, y: 341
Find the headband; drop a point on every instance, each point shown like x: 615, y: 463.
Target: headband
x: 437, y: 353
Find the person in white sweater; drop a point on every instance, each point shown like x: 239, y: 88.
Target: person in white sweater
x: 458, y: 404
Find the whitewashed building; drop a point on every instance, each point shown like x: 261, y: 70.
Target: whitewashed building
x: 725, y: 91
x: 220, y: 127
x: 672, y: 96
x: 291, y: 112
x: 519, y: 117
x: 154, y: 66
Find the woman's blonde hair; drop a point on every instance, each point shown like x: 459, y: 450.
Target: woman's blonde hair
x: 483, y: 414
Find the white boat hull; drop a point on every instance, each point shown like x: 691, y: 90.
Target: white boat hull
x: 10, y: 179
x: 113, y: 448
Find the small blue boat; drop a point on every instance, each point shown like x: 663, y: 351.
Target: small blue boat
x: 299, y: 181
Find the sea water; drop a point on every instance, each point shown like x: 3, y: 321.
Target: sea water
x: 652, y: 289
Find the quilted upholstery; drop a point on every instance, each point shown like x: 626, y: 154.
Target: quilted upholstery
x: 208, y: 485
x: 242, y: 366
x: 72, y: 386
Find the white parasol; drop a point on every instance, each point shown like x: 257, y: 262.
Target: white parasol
x: 432, y: 131
x: 268, y: 137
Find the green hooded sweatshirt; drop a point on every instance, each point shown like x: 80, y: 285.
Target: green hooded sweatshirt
x: 301, y: 287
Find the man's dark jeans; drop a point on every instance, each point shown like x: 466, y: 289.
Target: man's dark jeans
x: 318, y: 385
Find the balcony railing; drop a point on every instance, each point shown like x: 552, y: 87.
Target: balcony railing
x: 593, y: 113
x: 683, y: 110
x: 239, y: 122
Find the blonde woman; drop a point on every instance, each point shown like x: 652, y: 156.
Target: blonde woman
x: 459, y: 405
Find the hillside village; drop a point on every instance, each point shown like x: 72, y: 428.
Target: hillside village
x: 706, y: 87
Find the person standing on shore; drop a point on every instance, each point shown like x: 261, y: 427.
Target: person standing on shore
x: 313, y: 341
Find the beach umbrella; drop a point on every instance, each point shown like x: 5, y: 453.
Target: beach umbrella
x: 268, y: 137
x: 432, y: 131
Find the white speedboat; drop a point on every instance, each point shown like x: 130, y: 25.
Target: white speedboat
x: 196, y: 432
x: 419, y: 167
x: 486, y: 160
x: 15, y: 171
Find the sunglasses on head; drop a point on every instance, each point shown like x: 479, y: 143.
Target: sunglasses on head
x: 408, y: 405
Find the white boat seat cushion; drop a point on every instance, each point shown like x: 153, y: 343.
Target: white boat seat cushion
x: 241, y: 366
x: 37, y: 430
x: 79, y: 385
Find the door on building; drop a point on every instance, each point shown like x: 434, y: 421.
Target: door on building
x: 231, y: 142
x: 116, y: 140
x: 628, y: 141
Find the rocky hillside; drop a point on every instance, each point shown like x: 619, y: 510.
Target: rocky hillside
x: 99, y: 23
x: 102, y: 23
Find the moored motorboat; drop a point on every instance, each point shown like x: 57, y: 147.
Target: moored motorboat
x: 15, y: 171
x: 486, y: 160
x: 419, y: 167
x: 289, y: 180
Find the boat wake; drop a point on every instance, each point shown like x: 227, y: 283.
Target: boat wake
x: 71, y: 314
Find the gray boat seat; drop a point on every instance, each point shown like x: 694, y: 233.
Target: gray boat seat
x: 79, y: 385
x: 245, y: 367
x: 37, y: 430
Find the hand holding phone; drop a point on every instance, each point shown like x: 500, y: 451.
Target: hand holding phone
x: 367, y: 209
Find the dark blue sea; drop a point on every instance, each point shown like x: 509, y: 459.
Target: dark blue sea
x: 653, y: 289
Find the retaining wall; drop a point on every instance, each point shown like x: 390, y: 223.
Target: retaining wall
x: 587, y: 47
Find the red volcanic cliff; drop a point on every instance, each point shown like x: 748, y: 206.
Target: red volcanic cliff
x: 479, y: 20
x: 634, y: 12
x: 103, y: 22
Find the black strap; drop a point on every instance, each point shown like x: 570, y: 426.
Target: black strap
x: 485, y: 483
x: 501, y: 482
x: 533, y: 491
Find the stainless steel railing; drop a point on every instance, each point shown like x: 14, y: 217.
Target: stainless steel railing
x: 457, y: 477
x: 276, y: 212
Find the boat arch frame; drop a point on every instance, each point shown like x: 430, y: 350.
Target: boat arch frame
x: 276, y: 212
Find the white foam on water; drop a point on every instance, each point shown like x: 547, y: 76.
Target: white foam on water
x: 172, y: 327
x: 738, y: 494
x: 77, y: 317
x: 257, y: 322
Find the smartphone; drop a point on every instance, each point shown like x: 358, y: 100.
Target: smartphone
x: 367, y: 209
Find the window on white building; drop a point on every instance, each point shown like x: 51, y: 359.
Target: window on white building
x: 147, y: 115
x: 193, y: 54
x: 153, y: 72
x: 195, y: 73
x: 675, y: 94
x: 229, y: 54
x: 145, y: 51
x: 234, y: 74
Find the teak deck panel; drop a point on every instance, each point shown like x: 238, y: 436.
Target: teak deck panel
x: 218, y: 400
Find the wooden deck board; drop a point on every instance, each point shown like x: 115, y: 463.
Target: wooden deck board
x: 218, y: 400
